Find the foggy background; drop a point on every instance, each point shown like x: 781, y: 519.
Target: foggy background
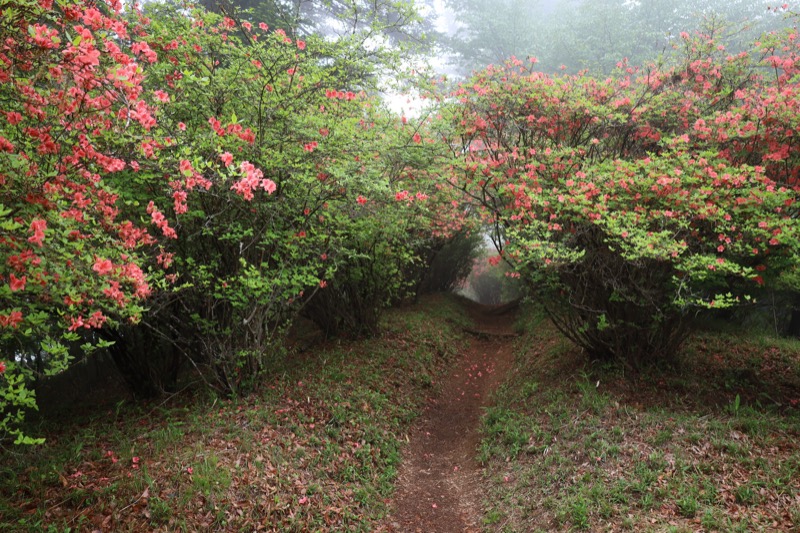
x: 571, y: 35
x: 460, y: 36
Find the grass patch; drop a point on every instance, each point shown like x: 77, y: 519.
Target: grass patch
x: 711, y: 444
x: 317, y: 449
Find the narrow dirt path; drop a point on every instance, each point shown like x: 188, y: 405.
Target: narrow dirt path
x: 438, y: 488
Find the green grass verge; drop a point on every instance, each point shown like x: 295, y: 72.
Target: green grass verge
x: 316, y: 450
x: 710, y: 446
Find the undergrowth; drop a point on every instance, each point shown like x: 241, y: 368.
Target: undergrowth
x: 708, y: 445
x: 316, y: 450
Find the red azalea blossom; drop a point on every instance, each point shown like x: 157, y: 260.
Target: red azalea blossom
x: 38, y: 226
x: 11, y: 320
x: 13, y: 117
x: 103, y: 266
x: 16, y: 284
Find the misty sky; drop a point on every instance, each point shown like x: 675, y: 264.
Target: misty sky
x: 591, y: 34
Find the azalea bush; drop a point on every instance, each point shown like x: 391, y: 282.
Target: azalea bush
x: 631, y: 203
x: 176, y: 185
x: 73, y: 112
x: 327, y: 215
x: 392, y: 230
x: 243, y: 206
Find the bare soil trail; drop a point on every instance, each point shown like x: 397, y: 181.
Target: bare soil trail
x: 438, y: 487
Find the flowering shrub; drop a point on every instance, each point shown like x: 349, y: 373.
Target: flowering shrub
x: 388, y: 246
x: 178, y: 184
x: 316, y: 196
x: 73, y: 111
x: 632, y: 201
